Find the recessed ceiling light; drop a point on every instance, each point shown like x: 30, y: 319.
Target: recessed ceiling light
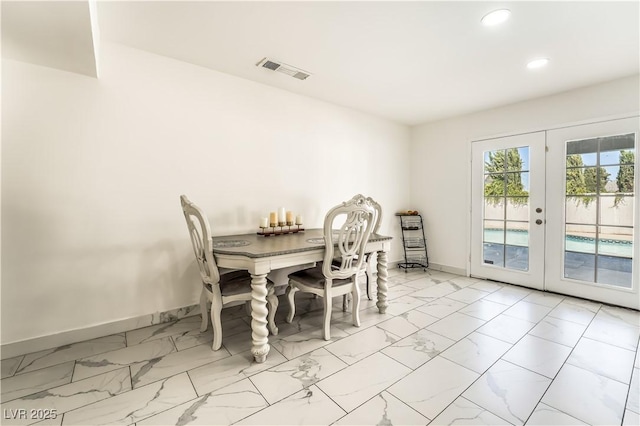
x: 538, y: 63
x: 496, y: 17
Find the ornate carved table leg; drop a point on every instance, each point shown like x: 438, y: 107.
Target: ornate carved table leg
x: 259, y: 332
x: 383, y: 276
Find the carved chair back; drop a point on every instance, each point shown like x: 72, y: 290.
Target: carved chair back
x: 201, y: 240
x: 355, y: 219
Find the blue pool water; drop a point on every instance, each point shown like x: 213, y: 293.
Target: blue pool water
x: 573, y: 243
x: 613, y: 264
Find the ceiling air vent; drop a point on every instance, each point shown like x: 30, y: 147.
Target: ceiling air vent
x: 278, y: 66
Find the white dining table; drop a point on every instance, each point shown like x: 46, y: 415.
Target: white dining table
x: 260, y: 255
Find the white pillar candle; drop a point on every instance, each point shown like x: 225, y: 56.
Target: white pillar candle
x: 281, y: 216
x: 264, y: 222
x: 298, y: 220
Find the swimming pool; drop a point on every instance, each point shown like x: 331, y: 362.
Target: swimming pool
x: 574, y: 243
x: 612, y: 265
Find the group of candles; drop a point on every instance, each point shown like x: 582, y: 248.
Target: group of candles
x: 280, y: 218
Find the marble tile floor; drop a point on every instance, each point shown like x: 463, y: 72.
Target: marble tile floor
x: 449, y: 350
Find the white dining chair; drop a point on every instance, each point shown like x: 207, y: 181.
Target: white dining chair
x: 367, y: 266
x: 352, y: 222
x: 219, y: 289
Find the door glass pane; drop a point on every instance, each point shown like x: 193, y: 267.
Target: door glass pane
x: 611, y: 157
x: 518, y: 159
x: 614, y: 270
x: 580, y: 238
x: 579, y: 266
x: 609, y: 175
x: 494, y: 231
x: 517, y: 233
x: 494, y: 185
x: 515, y: 184
x: 615, y: 241
x: 599, y: 209
x: 525, y: 182
x: 616, y: 210
x: 518, y: 208
x: 581, y: 160
x: 493, y: 254
x: 576, y: 183
x: 517, y: 257
x: 494, y: 208
x: 581, y: 209
x: 494, y: 161
x: 506, y: 197
x: 624, y: 180
x: 627, y: 156
x: 593, y: 183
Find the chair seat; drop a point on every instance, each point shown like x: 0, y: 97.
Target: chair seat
x: 314, y: 277
x: 236, y: 282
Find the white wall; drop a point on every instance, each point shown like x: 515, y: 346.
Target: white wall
x: 92, y: 230
x: 440, y: 156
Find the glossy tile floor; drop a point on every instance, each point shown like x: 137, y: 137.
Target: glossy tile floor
x: 449, y: 350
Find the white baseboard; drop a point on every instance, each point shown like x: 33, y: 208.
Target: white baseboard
x: 436, y: 267
x: 36, y: 344
x: 449, y: 269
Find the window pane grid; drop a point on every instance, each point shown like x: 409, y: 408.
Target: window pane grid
x: 506, y: 208
x: 599, y: 199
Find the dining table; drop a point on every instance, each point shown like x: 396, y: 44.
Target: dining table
x: 260, y: 254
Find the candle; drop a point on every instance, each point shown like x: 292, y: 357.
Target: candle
x: 281, y: 216
x: 264, y: 222
x: 289, y: 218
x: 273, y: 219
x: 298, y: 220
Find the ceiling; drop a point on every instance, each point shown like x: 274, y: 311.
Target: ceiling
x: 50, y: 33
x: 411, y: 62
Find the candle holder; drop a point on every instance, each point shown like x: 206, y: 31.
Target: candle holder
x: 289, y: 223
x: 279, y: 230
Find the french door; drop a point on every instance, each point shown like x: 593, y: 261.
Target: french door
x: 508, y: 209
x: 559, y: 211
x: 592, y: 241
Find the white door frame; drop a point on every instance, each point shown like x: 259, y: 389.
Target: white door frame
x: 555, y: 280
x: 534, y: 276
x: 634, y: 116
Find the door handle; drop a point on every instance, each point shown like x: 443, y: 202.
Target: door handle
x: 539, y: 221
x: 538, y: 210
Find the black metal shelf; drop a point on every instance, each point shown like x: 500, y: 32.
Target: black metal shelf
x: 414, y: 242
